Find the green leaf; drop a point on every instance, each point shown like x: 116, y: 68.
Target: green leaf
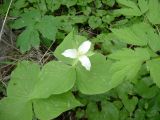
x: 69, y: 3
x: 132, y: 35
x: 23, y: 80
x: 55, y: 78
x: 26, y: 84
x: 108, y: 112
x: 154, y: 10
x: 71, y: 41
x: 130, y: 8
x: 27, y: 39
x: 143, y: 4
x: 53, y: 4
x: 94, y: 22
x: 46, y: 109
x: 48, y: 27
x: 154, y: 68
x: 28, y: 18
x: 15, y: 109
x: 124, y: 90
x: 128, y: 60
x: 17, y: 105
x: 145, y: 88
x: 96, y: 80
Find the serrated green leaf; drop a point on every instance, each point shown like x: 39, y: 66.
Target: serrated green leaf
x: 144, y: 89
x: 108, y: 112
x: 71, y: 41
x: 96, y: 80
x: 143, y: 5
x: 48, y: 27
x: 28, y: 18
x: 154, y: 68
x: 27, y: 39
x: 47, y: 109
x: 132, y: 35
x: 123, y: 91
x: 94, y: 22
x: 130, y: 8
x: 128, y: 60
x: 55, y: 78
x: 53, y: 4
x: 154, y: 10
x: 69, y: 3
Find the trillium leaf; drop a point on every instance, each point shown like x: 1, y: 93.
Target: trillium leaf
x: 15, y: 109
x: 46, y: 109
x: 22, y: 91
x: 55, y: 78
x: 154, y: 68
x: 96, y: 80
x: 23, y: 80
x: 71, y: 41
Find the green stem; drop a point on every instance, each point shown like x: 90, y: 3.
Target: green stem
x: 75, y: 63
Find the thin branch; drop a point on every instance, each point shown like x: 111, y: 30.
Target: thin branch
x: 4, y: 21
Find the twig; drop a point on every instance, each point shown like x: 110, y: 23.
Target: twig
x: 46, y: 52
x: 4, y: 21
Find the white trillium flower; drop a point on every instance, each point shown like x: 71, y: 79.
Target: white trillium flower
x: 80, y: 54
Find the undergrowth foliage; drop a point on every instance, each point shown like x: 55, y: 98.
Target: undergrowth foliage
x: 123, y: 80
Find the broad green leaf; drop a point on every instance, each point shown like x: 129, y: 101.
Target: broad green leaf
x: 154, y: 10
x: 108, y: 112
x: 132, y: 35
x: 27, y: 39
x: 26, y: 84
x: 71, y: 41
x: 15, y: 109
x: 94, y: 22
x: 96, y: 80
x: 128, y: 60
x: 47, y: 109
x: 130, y: 8
x: 55, y: 78
x: 154, y: 68
x: 23, y: 80
x: 48, y: 27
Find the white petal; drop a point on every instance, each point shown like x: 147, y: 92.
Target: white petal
x: 84, y: 47
x: 71, y: 53
x: 85, y: 62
